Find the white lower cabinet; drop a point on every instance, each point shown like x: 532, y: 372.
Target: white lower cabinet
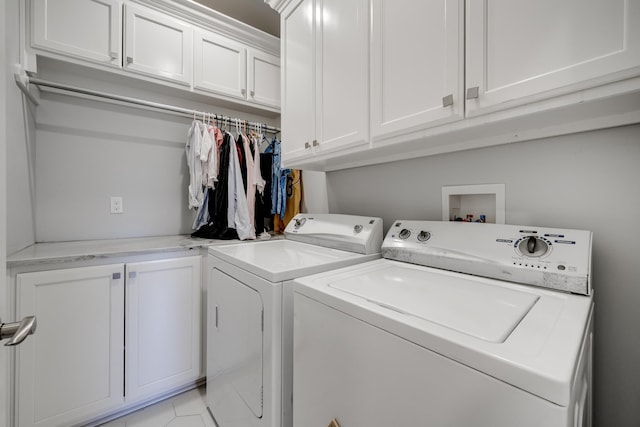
x: 163, y: 326
x: 73, y: 370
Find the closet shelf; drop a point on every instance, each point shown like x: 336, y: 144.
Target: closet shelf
x: 172, y: 109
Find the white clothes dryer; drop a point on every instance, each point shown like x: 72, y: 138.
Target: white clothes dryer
x: 250, y: 312
x: 460, y: 324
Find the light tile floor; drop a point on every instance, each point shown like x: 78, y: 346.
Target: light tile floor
x: 184, y: 410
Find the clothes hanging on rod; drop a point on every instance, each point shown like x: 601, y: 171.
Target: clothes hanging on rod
x: 250, y: 186
x: 185, y: 112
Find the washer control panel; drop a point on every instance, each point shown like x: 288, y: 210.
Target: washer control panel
x: 553, y: 258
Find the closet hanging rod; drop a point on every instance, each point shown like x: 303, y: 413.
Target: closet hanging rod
x: 149, y: 104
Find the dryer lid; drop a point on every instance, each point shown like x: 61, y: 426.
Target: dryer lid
x: 480, y: 310
x: 279, y: 260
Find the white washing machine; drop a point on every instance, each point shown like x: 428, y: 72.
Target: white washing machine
x: 250, y: 312
x: 459, y: 325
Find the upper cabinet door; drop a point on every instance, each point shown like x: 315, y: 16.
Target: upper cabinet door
x: 220, y: 65
x: 298, y: 79
x: 263, y: 75
x: 520, y: 51
x: 89, y: 29
x: 417, y: 64
x: 157, y: 45
x: 342, y: 79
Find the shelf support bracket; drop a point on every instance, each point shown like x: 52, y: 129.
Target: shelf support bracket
x: 22, y: 80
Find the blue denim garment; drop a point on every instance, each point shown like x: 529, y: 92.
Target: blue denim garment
x: 202, y: 218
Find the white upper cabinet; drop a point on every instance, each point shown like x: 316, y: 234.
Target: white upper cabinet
x: 230, y: 68
x: 263, y: 78
x: 325, y: 82
x: 417, y: 65
x: 521, y: 51
x: 169, y: 42
x: 342, y: 83
x: 448, y: 75
x: 297, y: 31
x: 157, y: 45
x: 220, y: 65
x: 89, y: 29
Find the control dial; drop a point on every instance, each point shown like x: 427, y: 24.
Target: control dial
x: 357, y: 228
x: 533, y: 247
x: 299, y: 222
x: 404, y: 234
x: 423, y: 236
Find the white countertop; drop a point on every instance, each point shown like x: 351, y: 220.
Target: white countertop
x: 91, y: 249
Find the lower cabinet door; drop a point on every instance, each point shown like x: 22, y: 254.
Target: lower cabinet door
x: 71, y: 369
x: 163, y: 326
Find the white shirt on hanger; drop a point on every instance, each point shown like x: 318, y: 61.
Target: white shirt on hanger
x: 193, y: 149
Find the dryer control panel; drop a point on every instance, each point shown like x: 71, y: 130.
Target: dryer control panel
x: 361, y: 234
x: 552, y: 258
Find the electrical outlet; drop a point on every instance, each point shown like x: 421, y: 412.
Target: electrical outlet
x: 116, y: 205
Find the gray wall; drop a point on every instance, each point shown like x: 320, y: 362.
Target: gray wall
x: 20, y: 139
x: 584, y: 181
x: 253, y: 12
x: 87, y: 151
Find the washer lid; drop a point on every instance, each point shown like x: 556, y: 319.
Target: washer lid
x: 279, y: 260
x: 481, y: 310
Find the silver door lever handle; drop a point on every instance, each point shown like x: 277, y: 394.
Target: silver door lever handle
x: 18, y: 331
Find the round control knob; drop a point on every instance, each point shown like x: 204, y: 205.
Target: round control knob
x: 358, y: 228
x: 423, y: 236
x: 299, y: 222
x: 533, y: 247
x: 404, y: 234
